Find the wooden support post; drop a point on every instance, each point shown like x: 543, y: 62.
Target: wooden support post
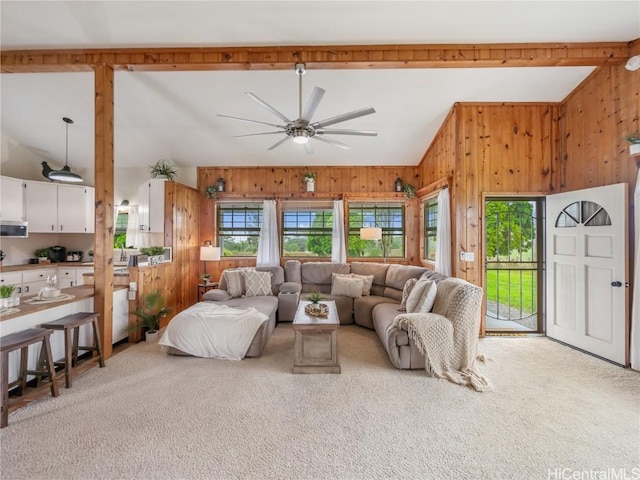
x: 104, y: 175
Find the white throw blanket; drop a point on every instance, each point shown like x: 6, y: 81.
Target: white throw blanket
x: 213, y: 331
x: 448, y: 338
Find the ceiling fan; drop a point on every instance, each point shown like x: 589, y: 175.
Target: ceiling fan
x: 302, y: 129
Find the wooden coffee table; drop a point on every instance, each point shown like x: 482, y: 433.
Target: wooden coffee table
x: 316, y: 341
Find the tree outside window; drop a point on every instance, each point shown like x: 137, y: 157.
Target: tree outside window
x: 239, y: 228
x: 430, y: 228
x: 389, y: 217
x: 306, y: 229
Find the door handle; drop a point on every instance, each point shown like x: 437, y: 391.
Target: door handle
x: 616, y: 284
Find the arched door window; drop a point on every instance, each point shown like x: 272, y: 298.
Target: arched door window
x: 589, y: 214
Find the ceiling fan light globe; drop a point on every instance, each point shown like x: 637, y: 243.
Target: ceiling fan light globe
x: 300, y: 139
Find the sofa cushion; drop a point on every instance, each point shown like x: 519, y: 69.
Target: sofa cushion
x: 397, y: 275
x: 378, y: 270
x: 367, y: 282
x: 290, y: 287
x: 257, y: 283
x: 235, y: 282
x: 316, y: 276
x: 422, y: 297
x: 292, y: 271
x: 408, y: 286
x: 363, y: 309
x: 347, y: 286
x: 277, y: 277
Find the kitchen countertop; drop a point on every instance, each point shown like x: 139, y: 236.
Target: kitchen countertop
x: 79, y: 293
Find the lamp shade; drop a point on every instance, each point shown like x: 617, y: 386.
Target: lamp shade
x: 371, y: 233
x: 209, y: 254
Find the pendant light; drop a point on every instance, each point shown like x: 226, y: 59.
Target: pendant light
x: 65, y: 175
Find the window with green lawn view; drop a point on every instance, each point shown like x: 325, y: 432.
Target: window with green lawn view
x: 388, y: 216
x: 120, y: 234
x: 306, y: 229
x: 430, y: 228
x: 239, y: 228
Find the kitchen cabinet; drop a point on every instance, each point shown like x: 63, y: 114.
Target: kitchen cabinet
x: 72, y: 276
x: 12, y: 199
x: 12, y: 278
x: 34, y: 280
x: 51, y: 207
x: 151, y: 206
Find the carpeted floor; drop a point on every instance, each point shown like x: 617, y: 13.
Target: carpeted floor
x: 151, y: 416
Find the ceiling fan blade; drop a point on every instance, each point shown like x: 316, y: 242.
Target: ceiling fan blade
x: 312, y: 104
x: 252, y: 121
x: 344, y: 117
x: 254, y: 134
x: 346, y: 131
x: 309, y: 148
x: 268, y: 107
x: 277, y: 144
x: 333, y: 142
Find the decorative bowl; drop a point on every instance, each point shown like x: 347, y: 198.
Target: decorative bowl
x: 49, y: 292
x: 317, y: 309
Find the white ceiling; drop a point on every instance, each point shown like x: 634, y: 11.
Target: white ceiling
x: 173, y: 114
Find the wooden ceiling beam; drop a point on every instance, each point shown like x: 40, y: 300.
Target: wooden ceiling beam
x: 318, y: 57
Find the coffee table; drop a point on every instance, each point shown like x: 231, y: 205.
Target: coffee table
x: 316, y: 341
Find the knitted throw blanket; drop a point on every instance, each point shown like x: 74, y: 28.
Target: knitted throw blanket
x: 448, y: 336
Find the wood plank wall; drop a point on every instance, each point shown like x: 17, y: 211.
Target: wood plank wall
x: 593, y: 121
x: 490, y: 149
x: 371, y: 183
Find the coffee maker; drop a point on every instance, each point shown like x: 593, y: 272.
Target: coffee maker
x: 57, y: 254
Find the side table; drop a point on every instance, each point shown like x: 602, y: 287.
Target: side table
x: 205, y: 287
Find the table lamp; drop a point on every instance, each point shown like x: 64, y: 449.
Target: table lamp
x: 374, y: 233
x: 209, y: 254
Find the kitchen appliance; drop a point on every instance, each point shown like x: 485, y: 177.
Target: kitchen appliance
x: 13, y: 229
x: 57, y: 254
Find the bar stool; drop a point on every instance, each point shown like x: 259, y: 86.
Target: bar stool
x: 22, y: 340
x: 73, y: 323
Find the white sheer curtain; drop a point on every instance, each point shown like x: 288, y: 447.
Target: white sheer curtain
x: 338, y: 246
x: 635, y: 311
x: 443, y: 239
x: 268, y: 242
x: 133, y: 230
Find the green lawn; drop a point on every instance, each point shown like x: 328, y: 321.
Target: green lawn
x: 514, y: 287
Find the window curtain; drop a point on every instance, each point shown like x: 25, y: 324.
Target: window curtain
x: 268, y: 242
x: 635, y: 311
x: 443, y: 236
x: 133, y: 230
x: 338, y: 246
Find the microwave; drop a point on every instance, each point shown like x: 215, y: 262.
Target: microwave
x: 13, y: 229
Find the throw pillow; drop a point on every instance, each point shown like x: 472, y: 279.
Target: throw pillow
x: 235, y: 282
x: 408, y: 286
x: 347, y: 286
x: 216, y: 295
x: 422, y: 297
x: 367, y: 283
x: 257, y: 283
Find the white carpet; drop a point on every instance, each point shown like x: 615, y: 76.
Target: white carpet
x: 151, y: 416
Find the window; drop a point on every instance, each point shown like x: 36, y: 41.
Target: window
x: 389, y: 217
x: 430, y: 228
x: 239, y: 228
x: 306, y: 229
x: 120, y: 234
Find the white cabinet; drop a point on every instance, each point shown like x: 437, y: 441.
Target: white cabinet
x: 60, y: 208
x: 72, y: 276
x: 12, y: 278
x: 80, y: 275
x: 34, y: 280
x: 12, y: 199
x: 151, y: 206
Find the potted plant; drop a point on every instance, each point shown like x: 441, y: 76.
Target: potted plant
x: 42, y: 254
x: 211, y: 192
x: 163, y: 169
x: 315, y: 297
x: 155, y: 254
x: 149, y: 314
x: 206, y: 278
x: 310, y: 179
x: 634, y: 140
x: 409, y: 191
x: 5, y: 295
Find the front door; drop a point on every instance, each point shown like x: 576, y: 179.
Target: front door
x: 587, y: 270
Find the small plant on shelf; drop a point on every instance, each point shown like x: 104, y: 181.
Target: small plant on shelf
x: 211, y: 192
x: 205, y: 277
x: 634, y: 143
x: 163, y: 168
x: 310, y: 177
x: 152, y: 251
x: 315, y: 297
x: 409, y: 191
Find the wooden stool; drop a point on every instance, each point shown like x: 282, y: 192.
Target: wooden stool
x: 22, y: 340
x: 74, y: 322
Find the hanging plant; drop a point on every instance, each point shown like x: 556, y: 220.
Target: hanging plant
x: 409, y: 191
x: 163, y: 168
x: 211, y: 192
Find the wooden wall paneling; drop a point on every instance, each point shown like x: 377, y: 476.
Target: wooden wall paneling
x: 103, y: 237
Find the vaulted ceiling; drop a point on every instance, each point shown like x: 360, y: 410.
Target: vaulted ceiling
x: 174, y: 114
